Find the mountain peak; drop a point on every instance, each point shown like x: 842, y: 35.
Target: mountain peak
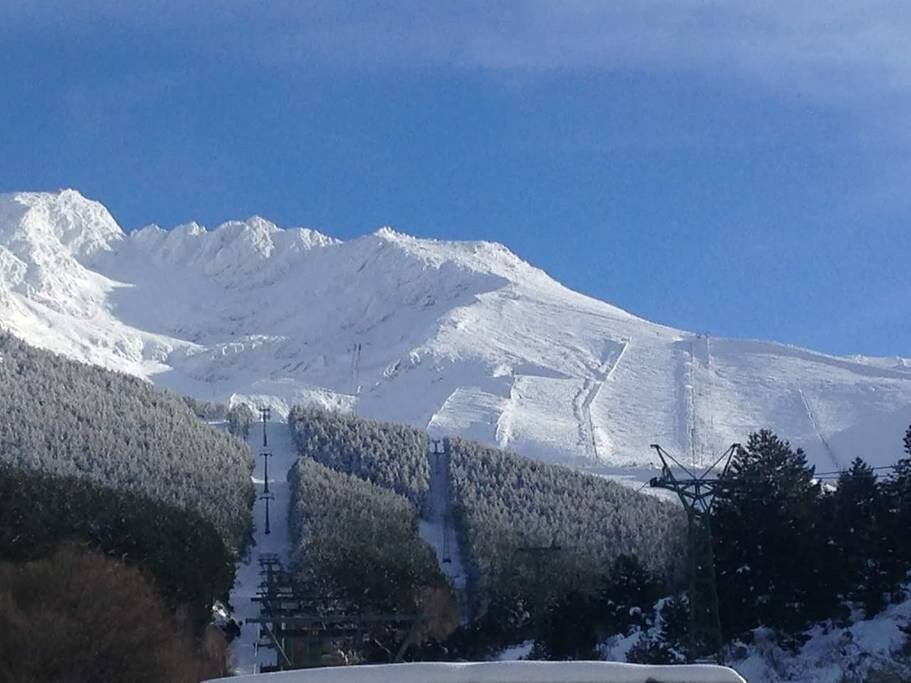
x: 459, y: 337
x: 81, y: 226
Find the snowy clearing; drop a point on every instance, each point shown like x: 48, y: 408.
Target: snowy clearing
x: 247, y: 656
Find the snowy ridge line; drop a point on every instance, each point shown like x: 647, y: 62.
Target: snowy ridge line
x: 258, y: 310
x: 506, y: 672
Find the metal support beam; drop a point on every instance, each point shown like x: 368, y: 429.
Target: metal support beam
x: 696, y: 493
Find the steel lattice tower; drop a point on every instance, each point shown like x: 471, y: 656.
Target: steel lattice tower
x: 696, y: 493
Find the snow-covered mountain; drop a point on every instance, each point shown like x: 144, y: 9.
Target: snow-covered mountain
x: 460, y: 337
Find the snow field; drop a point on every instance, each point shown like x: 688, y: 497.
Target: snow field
x: 461, y: 336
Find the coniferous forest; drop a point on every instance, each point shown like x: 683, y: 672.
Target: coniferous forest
x: 536, y: 538
x: 359, y: 542
x: 550, y: 551
x: 792, y: 548
x: 67, y: 418
x: 94, y: 463
x: 134, y: 509
x: 184, y: 554
x: 390, y: 455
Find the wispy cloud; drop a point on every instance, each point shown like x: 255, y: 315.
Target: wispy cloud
x: 853, y: 54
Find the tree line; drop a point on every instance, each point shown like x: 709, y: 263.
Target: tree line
x: 358, y: 542
x: 540, y: 539
x: 792, y: 548
x: 530, y: 533
x: 186, y: 556
x: 551, y: 551
x: 71, y: 419
x: 390, y: 455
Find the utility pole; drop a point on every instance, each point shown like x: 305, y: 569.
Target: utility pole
x: 265, y: 456
x: 697, y: 493
x: 266, y: 414
x: 267, y: 497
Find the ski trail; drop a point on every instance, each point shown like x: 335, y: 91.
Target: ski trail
x: 582, y: 402
x: 703, y: 398
x: 438, y: 529
x: 710, y: 387
x: 815, y: 425
x: 503, y: 433
x: 691, y: 383
x: 247, y: 582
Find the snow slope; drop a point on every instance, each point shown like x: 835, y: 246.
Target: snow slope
x: 458, y: 337
x: 506, y: 672
x: 833, y: 654
x: 247, y: 656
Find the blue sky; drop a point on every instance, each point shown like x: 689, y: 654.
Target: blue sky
x: 721, y: 167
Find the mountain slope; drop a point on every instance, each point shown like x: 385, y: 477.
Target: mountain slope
x: 459, y: 337
x: 67, y: 419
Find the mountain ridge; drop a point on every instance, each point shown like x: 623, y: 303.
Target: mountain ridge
x: 457, y: 337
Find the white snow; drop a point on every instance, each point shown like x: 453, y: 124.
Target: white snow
x: 459, y: 337
x: 438, y: 529
x: 247, y: 657
x: 832, y: 654
x: 506, y: 672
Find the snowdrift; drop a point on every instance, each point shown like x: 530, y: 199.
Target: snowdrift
x: 504, y: 672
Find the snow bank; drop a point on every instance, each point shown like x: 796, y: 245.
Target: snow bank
x: 506, y: 672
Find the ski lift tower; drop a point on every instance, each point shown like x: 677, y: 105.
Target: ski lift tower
x: 697, y: 493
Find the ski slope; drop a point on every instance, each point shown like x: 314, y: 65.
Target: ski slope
x: 457, y: 337
x: 437, y: 528
x: 244, y: 649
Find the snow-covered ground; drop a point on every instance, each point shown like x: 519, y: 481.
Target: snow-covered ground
x: 437, y: 528
x: 833, y: 654
x: 506, y: 672
x: 459, y: 337
x: 243, y: 649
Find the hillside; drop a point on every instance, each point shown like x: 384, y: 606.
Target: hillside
x: 460, y: 338
x: 67, y: 418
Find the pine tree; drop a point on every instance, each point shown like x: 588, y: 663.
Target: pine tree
x: 768, y: 548
x: 627, y: 594
x: 855, y: 517
x: 897, y: 489
x: 569, y: 629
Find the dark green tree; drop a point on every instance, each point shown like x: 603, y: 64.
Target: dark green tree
x: 897, y: 488
x: 860, y: 553
x: 182, y: 551
x: 669, y: 644
x: 570, y: 628
x: 627, y: 595
x: 768, y: 547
